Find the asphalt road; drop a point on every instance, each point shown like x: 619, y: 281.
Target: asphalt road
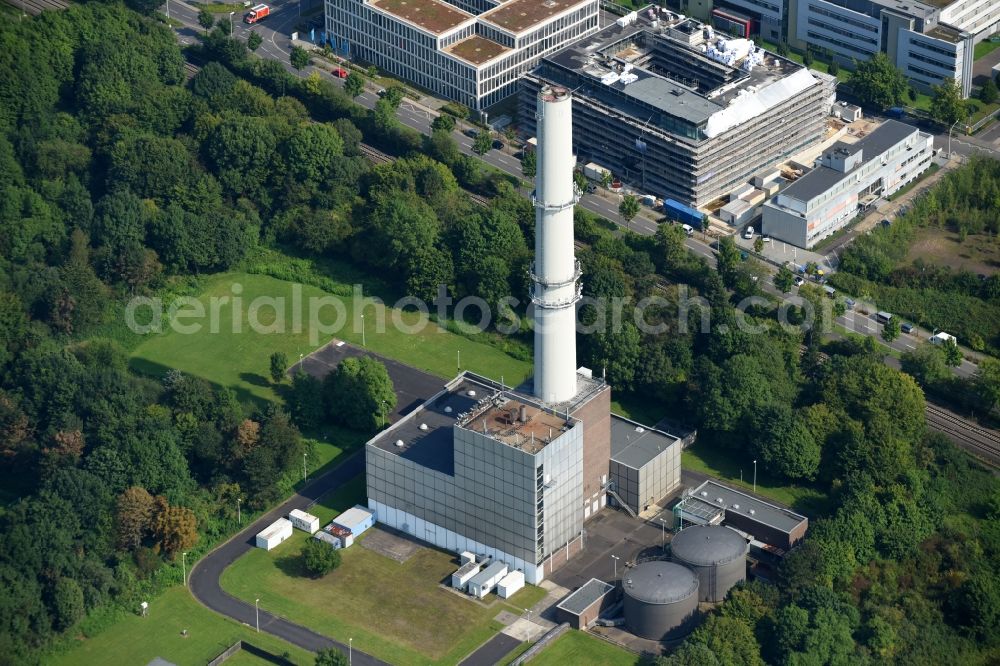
x: 492, y: 651
x: 207, y: 572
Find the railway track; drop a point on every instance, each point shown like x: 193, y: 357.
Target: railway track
x: 190, y: 70
x: 374, y: 154
x: 36, y: 7
x: 981, y: 441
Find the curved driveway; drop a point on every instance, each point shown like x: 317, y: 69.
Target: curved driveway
x: 206, y: 574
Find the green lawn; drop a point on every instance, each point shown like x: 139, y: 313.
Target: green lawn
x: 725, y: 466
x: 238, y: 357
x: 985, y: 48
x: 581, y: 649
x: 383, y: 605
x: 138, y: 640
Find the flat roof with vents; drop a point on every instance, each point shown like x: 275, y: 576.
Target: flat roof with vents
x: 431, y: 15
x: 519, y: 15
x: 477, y: 50
x: 735, y: 502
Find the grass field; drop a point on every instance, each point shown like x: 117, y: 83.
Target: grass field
x: 725, y: 466
x: 138, y: 640
x: 977, y: 253
x: 382, y: 604
x: 581, y: 649
x: 238, y: 358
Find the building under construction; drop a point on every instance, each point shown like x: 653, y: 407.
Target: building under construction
x: 679, y: 111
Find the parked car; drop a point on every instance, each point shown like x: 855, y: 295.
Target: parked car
x: 799, y: 281
x: 591, y: 188
x: 471, y: 133
x: 339, y: 72
x: 906, y: 327
x: 748, y: 233
x: 849, y: 303
x: 765, y: 239
x: 498, y: 145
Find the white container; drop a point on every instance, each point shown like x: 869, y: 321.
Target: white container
x: 274, y: 534
x: 510, y: 584
x: 483, y: 583
x: 304, y: 521
x: 467, y: 557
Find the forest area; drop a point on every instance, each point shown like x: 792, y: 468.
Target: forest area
x: 122, y: 178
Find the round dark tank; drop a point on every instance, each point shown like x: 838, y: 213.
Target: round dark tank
x: 717, y: 555
x: 660, y: 600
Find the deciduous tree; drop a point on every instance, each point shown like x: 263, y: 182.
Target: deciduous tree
x: 629, y: 207
x: 359, y: 393
x: 299, y: 58
x: 176, y: 529
x: 947, y: 105
x: 133, y: 517
x: 482, y: 143
x: 279, y: 364
x: 878, y: 82
x: 319, y: 558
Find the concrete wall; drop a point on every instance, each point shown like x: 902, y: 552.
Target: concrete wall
x: 783, y: 225
x: 596, y: 417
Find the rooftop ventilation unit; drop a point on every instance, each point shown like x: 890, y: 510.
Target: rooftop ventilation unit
x: 400, y: 443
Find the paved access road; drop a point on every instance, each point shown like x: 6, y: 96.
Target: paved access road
x: 204, y: 580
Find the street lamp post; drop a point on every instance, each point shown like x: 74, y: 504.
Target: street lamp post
x: 755, y: 476
x: 382, y: 412
x: 184, y: 568
x: 304, y: 466
x: 231, y: 23
x: 350, y: 651
x: 615, y: 558
x: 663, y: 532
x: 256, y: 612
x: 239, y: 514
x: 949, y: 136
x: 363, y: 331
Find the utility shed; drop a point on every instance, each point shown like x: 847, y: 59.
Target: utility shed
x: 737, y: 212
x: 303, y: 521
x: 274, y: 534
x: 357, y: 519
x: 510, y: 584
x: 465, y: 573
x: 340, y: 533
x: 483, y: 583
x: 328, y: 539
x: 581, y: 607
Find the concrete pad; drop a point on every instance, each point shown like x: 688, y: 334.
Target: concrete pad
x: 506, y: 618
x: 524, y: 630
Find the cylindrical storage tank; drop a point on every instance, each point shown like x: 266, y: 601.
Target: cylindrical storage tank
x: 717, y: 555
x: 660, y: 600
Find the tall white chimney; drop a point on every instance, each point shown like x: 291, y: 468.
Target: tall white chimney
x: 556, y: 273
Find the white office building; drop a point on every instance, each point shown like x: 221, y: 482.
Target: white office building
x: 470, y: 51
x: 849, y: 178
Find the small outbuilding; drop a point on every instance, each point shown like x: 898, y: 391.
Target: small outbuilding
x: 510, y: 584
x: 737, y: 212
x: 274, y: 534
x: 465, y: 557
x: 357, y: 519
x: 460, y: 579
x: 303, y: 521
x: 345, y: 535
x: 483, y: 583
x: 328, y: 539
x: 586, y: 603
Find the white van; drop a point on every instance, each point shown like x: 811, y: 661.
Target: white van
x: 688, y: 229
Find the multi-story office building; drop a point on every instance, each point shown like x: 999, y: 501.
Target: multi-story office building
x: 674, y: 110
x: 470, y: 51
x: 849, y: 178
x: 916, y: 36
x: 930, y: 41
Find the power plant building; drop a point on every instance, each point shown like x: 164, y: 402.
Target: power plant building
x: 470, y: 51
x: 511, y: 474
x: 680, y: 111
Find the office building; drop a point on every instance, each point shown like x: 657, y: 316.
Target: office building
x: 679, y: 113
x: 849, y: 179
x: 470, y: 51
x: 930, y: 41
x: 512, y: 474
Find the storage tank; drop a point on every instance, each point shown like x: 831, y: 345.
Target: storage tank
x: 716, y: 554
x: 660, y: 600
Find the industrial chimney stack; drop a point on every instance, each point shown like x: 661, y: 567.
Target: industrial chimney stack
x: 556, y: 272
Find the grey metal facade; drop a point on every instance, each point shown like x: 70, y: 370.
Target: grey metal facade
x: 522, y: 506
